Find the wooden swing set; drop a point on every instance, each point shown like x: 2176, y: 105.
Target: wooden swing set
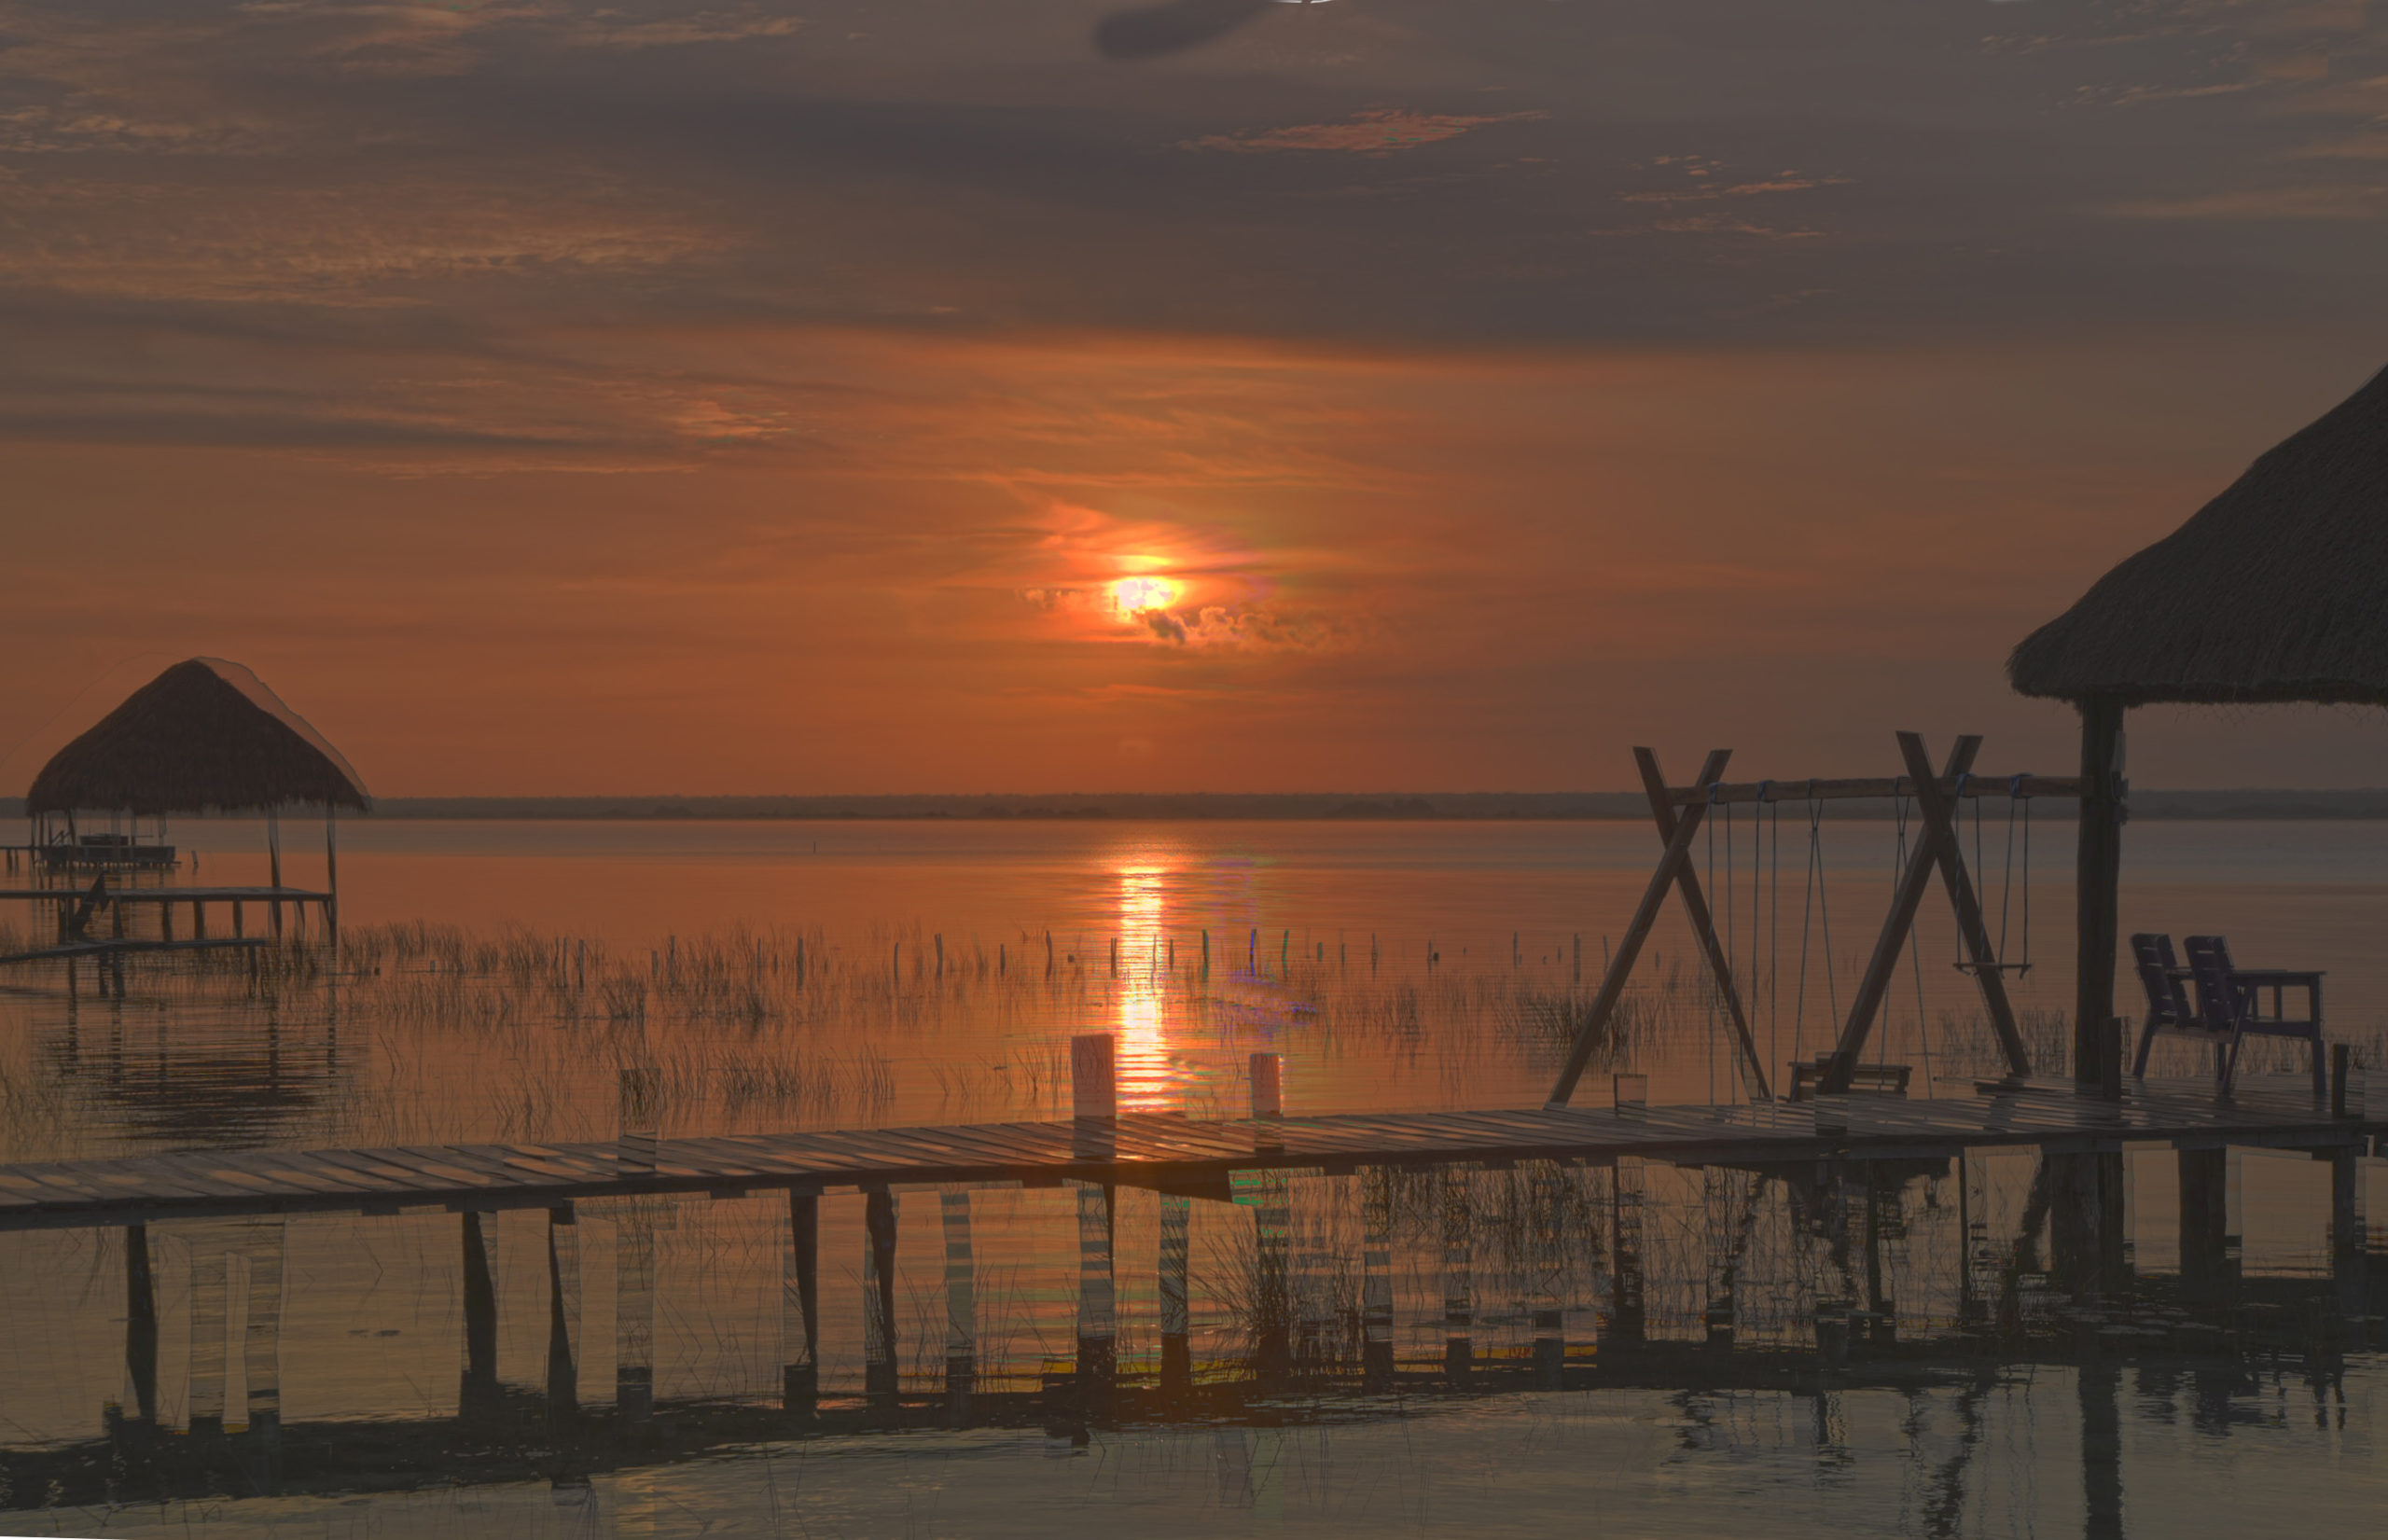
x: 1678, y: 811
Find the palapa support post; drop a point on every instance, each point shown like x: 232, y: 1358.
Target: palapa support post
x: 274, y: 861
x: 1672, y: 866
x: 564, y: 1314
x: 332, y: 874
x: 2104, y: 807
x: 800, y: 1307
x: 879, y: 1298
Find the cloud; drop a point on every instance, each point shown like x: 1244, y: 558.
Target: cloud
x: 1380, y: 130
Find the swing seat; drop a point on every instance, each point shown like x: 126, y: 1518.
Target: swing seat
x: 1864, y: 1080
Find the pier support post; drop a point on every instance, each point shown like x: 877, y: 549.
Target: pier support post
x: 1376, y: 1278
x: 1097, y: 1316
x: 1458, y: 1284
x: 141, y: 1326
x: 1547, y: 1188
x: 1176, y: 1353
x: 800, y: 1307
x: 563, y: 1313
x: 477, y: 1394
x: 961, y: 1302
x: 879, y: 1298
x: 2099, y: 1386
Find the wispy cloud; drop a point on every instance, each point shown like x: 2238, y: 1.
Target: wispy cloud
x: 1380, y: 130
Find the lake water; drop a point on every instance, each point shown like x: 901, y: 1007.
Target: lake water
x: 499, y: 976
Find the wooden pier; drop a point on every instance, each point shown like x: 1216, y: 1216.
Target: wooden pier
x: 1169, y: 1153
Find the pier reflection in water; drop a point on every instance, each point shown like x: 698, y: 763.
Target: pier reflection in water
x: 317, y: 1358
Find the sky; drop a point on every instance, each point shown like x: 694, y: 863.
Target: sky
x: 1053, y: 395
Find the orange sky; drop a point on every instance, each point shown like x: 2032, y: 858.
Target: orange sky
x: 1483, y: 423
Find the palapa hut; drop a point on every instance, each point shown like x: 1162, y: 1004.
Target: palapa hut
x: 2277, y: 590
x: 205, y: 736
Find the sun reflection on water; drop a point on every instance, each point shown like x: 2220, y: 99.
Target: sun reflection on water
x: 1149, y: 1078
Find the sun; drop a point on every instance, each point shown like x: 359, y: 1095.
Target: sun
x: 1136, y: 595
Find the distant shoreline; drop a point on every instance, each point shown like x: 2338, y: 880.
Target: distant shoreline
x: 1328, y: 807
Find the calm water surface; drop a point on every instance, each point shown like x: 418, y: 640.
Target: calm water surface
x: 499, y: 976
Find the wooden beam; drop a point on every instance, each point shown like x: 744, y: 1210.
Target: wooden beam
x: 1629, y: 946
x: 1703, y: 927
x: 1940, y: 833
x: 1877, y: 788
x: 1879, y: 968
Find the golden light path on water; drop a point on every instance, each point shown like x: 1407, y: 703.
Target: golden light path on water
x: 1147, y: 1074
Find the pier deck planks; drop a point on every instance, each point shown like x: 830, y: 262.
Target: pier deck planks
x: 1149, y: 1149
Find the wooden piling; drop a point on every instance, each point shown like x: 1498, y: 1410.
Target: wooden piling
x: 2205, y: 1177
x: 210, y: 1289
x: 1626, y: 1320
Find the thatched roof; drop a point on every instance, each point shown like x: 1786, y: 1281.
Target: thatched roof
x: 203, y: 735
x: 2276, y: 591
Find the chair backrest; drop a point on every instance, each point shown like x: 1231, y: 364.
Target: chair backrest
x: 2167, y: 1004
x: 2219, y: 1006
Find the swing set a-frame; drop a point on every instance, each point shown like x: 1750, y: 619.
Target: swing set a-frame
x: 1679, y: 812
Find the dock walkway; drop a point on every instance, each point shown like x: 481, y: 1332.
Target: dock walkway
x: 1166, y: 1152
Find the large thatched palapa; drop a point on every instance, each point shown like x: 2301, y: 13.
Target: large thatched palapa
x: 2276, y: 592
x: 206, y: 735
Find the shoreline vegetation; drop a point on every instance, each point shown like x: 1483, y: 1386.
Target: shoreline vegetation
x: 1289, y: 806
